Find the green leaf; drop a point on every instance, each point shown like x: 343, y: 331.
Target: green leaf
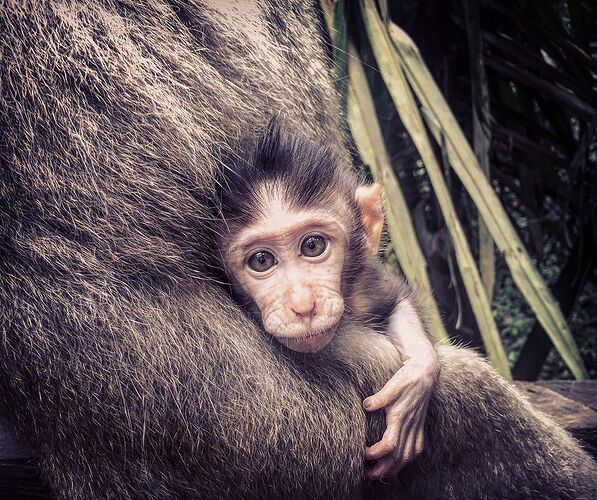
x: 466, y: 166
x: 410, y: 115
x: 481, y: 133
x: 368, y: 137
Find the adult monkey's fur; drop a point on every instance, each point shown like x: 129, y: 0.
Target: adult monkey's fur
x: 129, y: 374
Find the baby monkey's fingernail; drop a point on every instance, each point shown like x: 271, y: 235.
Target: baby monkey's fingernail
x: 367, y: 404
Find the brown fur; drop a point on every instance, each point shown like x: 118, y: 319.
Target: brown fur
x: 128, y: 373
x: 377, y: 292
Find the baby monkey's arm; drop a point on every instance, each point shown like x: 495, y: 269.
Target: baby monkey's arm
x: 386, y: 298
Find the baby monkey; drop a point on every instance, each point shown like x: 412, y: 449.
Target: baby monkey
x: 299, y: 240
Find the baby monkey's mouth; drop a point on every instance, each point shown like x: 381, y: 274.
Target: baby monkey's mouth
x: 311, y: 341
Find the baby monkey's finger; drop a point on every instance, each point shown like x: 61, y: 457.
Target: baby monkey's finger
x: 393, y: 440
x: 407, y: 454
x: 389, y: 465
x: 395, y: 469
x: 386, y: 446
x: 386, y: 395
x: 420, y: 441
x: 401, y: 461
x: 409, y: 451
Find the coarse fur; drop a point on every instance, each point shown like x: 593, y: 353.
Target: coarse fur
x: 128, y: 373
x: 496, y: 446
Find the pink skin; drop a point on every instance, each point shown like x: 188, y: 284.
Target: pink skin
x: 301, y: 304
x: 300, y: 297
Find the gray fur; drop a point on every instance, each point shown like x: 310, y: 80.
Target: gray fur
x: 130, y: 374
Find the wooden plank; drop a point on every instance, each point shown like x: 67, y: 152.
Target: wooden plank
x: 567, y: 412
x: 575, y: 416
x: 584, y: 392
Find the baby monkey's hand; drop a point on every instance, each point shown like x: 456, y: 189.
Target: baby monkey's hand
x: 405, y: 399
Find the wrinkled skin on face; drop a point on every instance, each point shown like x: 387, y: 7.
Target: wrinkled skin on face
x: 290, y: 264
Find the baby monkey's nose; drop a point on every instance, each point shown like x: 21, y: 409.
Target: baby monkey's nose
x: 307, y: 310
x: 303, y: 303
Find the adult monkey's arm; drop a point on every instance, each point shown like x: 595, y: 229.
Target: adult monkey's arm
x: 127, y: 373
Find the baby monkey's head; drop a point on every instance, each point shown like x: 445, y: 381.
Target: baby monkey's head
x: 294, y: 235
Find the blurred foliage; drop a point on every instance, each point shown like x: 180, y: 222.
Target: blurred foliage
x: 521, y: 79
x: 516, y: 320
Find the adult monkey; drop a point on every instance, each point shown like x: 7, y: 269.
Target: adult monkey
x: 128, y: 374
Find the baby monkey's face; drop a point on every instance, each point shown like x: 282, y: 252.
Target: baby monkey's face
x: 290, y: 264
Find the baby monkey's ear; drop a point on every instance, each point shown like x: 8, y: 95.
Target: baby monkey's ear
x: 369, y: 200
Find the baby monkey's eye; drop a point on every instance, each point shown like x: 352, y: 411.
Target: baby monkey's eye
x: 261, y: 261
x: 313, y: 246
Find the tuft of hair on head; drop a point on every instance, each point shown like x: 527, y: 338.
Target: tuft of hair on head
x: 284, y: 163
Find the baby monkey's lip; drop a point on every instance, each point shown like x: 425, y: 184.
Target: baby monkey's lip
x: 311, y: 342
x: 318, y: 334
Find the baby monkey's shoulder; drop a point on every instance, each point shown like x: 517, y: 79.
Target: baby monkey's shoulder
x: 377, y: 292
